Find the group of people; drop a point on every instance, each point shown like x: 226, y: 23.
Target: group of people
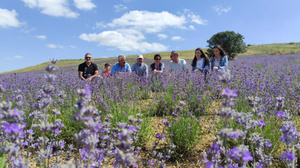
x: 219, y: 62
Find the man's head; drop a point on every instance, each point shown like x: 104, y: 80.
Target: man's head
x: 88, y: 58
x: 140, y: 59
x: 107, y: 66
x: 174, y: 56
x: 122, y: 60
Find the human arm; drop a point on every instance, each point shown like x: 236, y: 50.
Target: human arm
x: 80, y: 74
x: 185, y: 66
x: 146, y: 70
x: 224, y: 63
x: 96, y: 73
x: 162, y: 67
x: 128, y: 69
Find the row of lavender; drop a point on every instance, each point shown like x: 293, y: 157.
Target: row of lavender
x: 48, y: 114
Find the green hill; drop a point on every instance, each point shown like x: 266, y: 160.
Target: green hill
x: 266, y: 49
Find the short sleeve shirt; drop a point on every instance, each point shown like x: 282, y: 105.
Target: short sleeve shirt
x: 87, y: 71
x: 180, y: 66
x: 140, y: 70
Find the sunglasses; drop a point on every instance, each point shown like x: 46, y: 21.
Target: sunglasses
x: 88, y: 57
x: 157, y: 59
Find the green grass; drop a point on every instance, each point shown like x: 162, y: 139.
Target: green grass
x: 265, y: 49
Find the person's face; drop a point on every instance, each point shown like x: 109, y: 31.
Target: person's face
x: 216, y: 51
x: 198, y: 54
x: 173, y: 57
x: 140, y: 60
x: 107, y: 68
x: 122, y: 61
x: 157, y: 59
x: 88, y: 58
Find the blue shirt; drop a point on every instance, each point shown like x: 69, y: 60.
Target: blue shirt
x: 223, y: 63
x: 117, y: 68
x: 140, y: 70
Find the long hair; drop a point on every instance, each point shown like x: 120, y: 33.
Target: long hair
x: 222, y: 52
x: 206, y: 62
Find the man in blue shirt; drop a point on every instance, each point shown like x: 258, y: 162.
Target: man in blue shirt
x: 140, y: 68
x: 121, y: 66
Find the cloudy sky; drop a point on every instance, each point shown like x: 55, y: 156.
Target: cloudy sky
x: 35, y: 31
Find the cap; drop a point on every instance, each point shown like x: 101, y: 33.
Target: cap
x: 140, y: 56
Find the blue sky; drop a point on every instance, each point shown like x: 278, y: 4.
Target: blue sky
x: 35, y: 31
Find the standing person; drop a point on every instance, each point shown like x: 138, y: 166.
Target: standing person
x: 122, y: 66
x: 200, y: 62
x: 87, y: 70
x: 177, y: 64
x: 219, y: 61
x: 157, y: 66
x: 140, y: 68
x: 107, y: 70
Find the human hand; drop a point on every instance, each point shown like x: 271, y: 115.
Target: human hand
x: 89, y: 79
x: 215, y: 67
x: 154, y: 71
x: 196, y: 70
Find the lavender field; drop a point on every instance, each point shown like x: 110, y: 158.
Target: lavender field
x: 49, y: 118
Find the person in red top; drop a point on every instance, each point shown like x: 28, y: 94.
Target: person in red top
x: 107, y: 70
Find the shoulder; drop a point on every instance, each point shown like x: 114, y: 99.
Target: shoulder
x: 94, y: 65
x: 116, y: 65
x: 82, y: 64
x: 225, y: 57
x: 127, y: 64
x: 182, y: 60
x: 133, y: 65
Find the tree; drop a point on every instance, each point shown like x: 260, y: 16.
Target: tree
x: 230, y: 41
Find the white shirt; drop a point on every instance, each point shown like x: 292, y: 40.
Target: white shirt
x: 180, y: 66
x: 200, y: 63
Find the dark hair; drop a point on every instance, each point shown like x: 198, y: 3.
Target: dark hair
x: 222, y: 52
x: 87, y: 54
x: 107, y: 64
x: 206, y: 62
x: 157, y: 55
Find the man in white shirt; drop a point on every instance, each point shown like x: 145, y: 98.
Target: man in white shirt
x: 177, y: 64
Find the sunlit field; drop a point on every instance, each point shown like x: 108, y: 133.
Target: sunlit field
x: 248, y: 118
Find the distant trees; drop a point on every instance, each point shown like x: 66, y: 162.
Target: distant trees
x: 230, y: 41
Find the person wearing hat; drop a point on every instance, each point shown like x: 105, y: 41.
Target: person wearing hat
x: 140, y: 68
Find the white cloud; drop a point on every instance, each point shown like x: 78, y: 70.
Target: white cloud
x: 100, y: 25
x: 84, y: 4
x: 177, y: 38
x: 42, y: 37
x: 220, y: 9
x: 123, y: 39
x: 54, y: 46
x: 192, y: 27
x: 197, y: 19
x: 58, y: 8
x: 151, y: 22
x: 72, y: 46
x: 120, y: 7
x: 162, y: 36
x: 9, y: 18
x: 18, y: 56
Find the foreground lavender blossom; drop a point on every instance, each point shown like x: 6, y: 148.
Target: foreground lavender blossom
x: 258, y: 103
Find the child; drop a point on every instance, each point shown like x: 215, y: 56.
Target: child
x: 107, y: 70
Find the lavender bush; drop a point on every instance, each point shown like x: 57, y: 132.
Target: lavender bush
x: 253, y: 115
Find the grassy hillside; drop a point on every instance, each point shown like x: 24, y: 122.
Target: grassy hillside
x: 266, y: 49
